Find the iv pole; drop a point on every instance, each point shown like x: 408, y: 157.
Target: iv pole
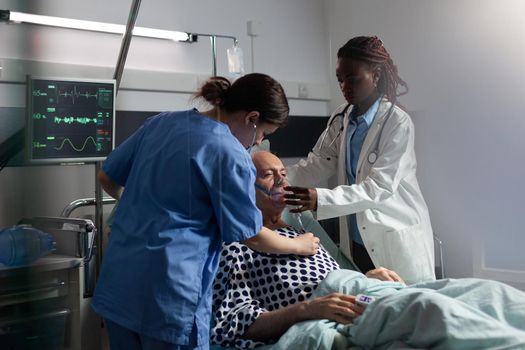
x: 213, y: 42
x: 99, y: 219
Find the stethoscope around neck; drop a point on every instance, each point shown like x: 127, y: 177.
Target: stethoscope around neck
x: 372, y: 156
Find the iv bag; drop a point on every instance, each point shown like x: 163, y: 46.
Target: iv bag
x: 235, y: 61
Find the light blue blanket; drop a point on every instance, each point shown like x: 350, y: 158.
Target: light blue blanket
x: 445, y: 314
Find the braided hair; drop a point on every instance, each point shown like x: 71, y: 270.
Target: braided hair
x: 370, y: 50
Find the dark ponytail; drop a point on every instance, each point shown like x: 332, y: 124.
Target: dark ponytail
x: 251, y: 92
x: 214, y: 91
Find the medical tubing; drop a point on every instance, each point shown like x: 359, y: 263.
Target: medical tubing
x: 378, y: 140
x: 298, y: 216
x: 279, y: 195
x: 329, y: 126
x: 263, y: 189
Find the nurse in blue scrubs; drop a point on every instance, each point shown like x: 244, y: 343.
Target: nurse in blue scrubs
x: 189, y: 186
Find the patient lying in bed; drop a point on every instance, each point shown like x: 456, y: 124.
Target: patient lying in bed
x: 309, y: 303
x: 445, y: 314
x: 257, y: 297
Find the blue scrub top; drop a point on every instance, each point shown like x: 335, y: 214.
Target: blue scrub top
x: 189, y: 185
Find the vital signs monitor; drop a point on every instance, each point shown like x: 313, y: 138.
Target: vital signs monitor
x: 69, y: 120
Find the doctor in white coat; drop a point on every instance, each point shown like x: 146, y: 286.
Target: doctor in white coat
x: 369, y: 144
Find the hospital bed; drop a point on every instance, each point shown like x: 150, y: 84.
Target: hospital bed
x: 478, y: 336
x: 456, y: 313
x: 309, y: 223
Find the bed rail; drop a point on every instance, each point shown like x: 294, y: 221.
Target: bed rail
x: 84, y: 202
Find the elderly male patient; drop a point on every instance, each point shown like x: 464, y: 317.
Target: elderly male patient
x: 261, y: 298
x: 257, y: 297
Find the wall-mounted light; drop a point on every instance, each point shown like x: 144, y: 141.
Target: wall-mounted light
x: 20, y: 17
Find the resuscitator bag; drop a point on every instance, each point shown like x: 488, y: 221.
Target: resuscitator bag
x: 23, y: 244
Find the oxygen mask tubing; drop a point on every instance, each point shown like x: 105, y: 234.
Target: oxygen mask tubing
x: 276, y: 194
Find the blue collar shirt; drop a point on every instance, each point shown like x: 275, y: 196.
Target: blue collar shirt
x: 356, y: 132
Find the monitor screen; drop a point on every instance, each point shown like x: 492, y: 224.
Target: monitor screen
x: 69, y: 120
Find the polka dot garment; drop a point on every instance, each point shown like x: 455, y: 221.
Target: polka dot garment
x: 249, y: 283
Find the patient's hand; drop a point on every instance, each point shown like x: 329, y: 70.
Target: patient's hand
x: 306, y: 244
x: 383, y: 274
x: 336, y: 307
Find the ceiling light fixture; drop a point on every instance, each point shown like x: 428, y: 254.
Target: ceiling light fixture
x: 20, y: 17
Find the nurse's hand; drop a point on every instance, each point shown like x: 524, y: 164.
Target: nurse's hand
x: 301, y: 197
x: 270, y: 242
x: 306, y: 244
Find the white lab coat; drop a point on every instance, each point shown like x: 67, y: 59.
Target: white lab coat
x: 391, y: 213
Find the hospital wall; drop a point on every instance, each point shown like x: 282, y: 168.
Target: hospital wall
x: 463, y: 61
x: 159, y: 75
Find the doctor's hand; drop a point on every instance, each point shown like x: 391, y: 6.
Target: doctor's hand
x: 301, y: 197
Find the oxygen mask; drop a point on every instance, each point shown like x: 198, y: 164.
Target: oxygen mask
x: 276, y: 192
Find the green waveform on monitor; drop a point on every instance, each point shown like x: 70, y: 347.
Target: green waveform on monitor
x: 74, y: 94
x: 97, y: 145
x: 71, y: 120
